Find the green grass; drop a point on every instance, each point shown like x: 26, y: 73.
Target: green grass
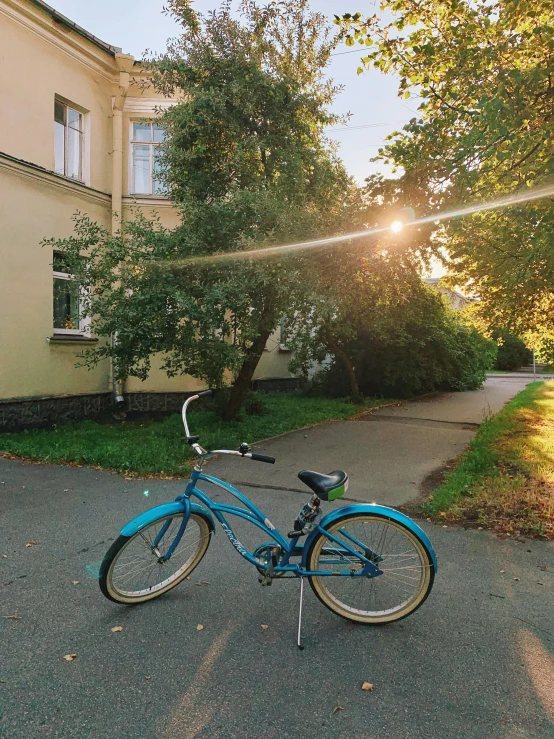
x: 505, y: 481
x: 548, y: 369
x: 159, y: 448
x: 496, y: 372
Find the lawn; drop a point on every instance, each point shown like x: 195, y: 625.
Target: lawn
x: 505, y: 481
x: 159, y: 447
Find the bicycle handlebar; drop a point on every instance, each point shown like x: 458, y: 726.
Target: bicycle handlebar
x: 194, y: 439
x: 262, y: 458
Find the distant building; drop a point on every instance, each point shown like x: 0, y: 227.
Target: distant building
x: 454, y: 298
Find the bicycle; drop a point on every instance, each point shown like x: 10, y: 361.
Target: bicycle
x: 365, y: 562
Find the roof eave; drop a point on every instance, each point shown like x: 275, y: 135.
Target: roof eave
x: 59, y: 18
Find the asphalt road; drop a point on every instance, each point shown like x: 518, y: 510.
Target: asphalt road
x: 474, y: 662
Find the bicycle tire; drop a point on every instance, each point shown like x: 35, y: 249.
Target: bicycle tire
x: 399, y: 576
x: 143, y: 537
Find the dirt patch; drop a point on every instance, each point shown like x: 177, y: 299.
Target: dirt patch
x: 426, y: 488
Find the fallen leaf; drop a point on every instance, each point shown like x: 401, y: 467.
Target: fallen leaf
x: 516, y: 579
x: 265, y: 626
x: 338, y: 708
x: 66, y: 490
x: 31, y: 544
x: 117, y: 628
x: 15, y: 615
x: 75, y: 582
x: 4, y: 556
x: 23, y: 487
x: 147, y: 677
x: 187, y: 577
x: 367, y: 686
x: 69, y: 657
x: 199, y: 627
x: 202, y: 582
x: 502, y: 572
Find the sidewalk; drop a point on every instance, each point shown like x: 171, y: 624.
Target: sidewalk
x: 387, y: 453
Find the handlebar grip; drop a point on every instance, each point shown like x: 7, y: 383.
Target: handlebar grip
x: 263, y: 458
x: 205, y: 393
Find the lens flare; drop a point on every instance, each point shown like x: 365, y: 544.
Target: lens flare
x: 502, y: 202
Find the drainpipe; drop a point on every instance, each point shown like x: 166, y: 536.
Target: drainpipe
x: 125, y: 65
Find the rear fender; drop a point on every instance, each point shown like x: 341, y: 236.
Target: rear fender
x: 377, y: 510
x: 164, y: 510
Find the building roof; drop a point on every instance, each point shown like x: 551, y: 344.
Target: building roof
x: 59, y: 18
x: 435, y: 282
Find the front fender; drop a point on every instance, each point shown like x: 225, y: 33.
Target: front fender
x: 162, y: 511
x: 376, y: 510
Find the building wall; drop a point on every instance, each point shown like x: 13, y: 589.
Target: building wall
x: 35, y: 204
x: 41, y: 58
x: 38, y: 61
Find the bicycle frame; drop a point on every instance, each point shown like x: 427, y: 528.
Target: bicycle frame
x: 254, y: 516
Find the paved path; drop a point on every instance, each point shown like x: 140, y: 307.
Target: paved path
x: 475, y: 662
x: 387, y: 453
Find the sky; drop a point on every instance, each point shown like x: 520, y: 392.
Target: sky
x: 137, y: 25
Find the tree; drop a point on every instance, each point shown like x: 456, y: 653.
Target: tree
x: 393, y: 334
x: 484, y: 74
x: 246, y: 161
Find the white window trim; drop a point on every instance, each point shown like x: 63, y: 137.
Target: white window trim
x: 155, y: 196
x: 84, y: 323
x: 85, y: 151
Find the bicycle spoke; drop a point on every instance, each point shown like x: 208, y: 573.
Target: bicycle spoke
x: 137, y: 569
x: 400, y: 563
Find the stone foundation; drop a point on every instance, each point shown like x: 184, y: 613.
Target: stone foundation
x: 29, y: 413
x: 16, y: 415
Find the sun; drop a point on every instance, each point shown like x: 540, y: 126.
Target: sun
x: 396, y: 226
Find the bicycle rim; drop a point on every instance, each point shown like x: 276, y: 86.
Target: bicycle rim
x: 407, y: 569
x: 136, y: 574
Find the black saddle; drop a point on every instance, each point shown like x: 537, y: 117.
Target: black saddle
x: 327, y: 487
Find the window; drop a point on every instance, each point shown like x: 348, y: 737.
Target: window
x: 283, y: 336
x: 145, y: 138
x: 67, y: 303
x: 68, y: 141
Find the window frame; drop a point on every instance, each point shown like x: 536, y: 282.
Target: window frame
x: 84, y: 140
x: 151, y: 145
x: 84, y: 323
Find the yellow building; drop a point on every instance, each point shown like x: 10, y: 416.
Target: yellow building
x: 77, y: 133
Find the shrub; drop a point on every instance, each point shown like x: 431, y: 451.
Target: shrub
x: 512, y: 352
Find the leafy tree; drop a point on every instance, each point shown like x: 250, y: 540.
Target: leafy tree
x: 246, y: 161
x: 512, y: 352
x: 389, y: 333
x: 483, y: 72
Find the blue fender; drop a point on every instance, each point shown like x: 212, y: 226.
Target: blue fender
x: 166, y: 509
x: 377, y: 510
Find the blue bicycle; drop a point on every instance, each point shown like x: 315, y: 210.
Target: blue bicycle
x: 368, y: 563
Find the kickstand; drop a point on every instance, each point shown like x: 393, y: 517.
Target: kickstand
x: 300, y: 613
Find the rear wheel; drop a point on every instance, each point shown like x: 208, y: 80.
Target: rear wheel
x: 406, y: 565
x: 133, y: 570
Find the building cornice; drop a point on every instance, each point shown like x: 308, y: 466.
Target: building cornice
x: 41, y: 20
x: 40, y: 174
x: 147, y: 105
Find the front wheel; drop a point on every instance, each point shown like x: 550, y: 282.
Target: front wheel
x: 406, y: 566
x: 133, y: 569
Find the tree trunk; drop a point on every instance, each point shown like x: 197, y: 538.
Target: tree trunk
x: 241, y: 386
x: 345, y: 359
